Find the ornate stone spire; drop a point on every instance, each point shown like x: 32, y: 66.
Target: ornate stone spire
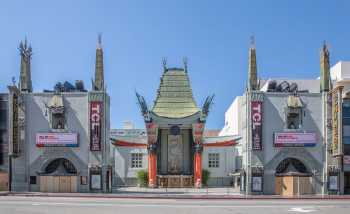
x: 25, y: 82
x: 98, y: 84
x: 324, y: 64
x: 252, y: 72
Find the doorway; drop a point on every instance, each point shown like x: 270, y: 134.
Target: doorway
x: 60, y: 175
x: 292, y: 178
x: 58, y: 183
x: 4, y: 179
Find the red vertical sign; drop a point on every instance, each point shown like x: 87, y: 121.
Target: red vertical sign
x: 152, y: 132
x: 95, y: 125
x: 198, y: 129
x: 256, y: 110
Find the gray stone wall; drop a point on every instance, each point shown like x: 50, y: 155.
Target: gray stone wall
x: 124, y: 175
x: 274, y: 115
x: 227, y: 156
x: 33, y: 160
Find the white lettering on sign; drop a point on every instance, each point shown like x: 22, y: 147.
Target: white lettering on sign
x: 95, y: 125
x: 292, y: 139
x: 256, y: 115
x: 95, y: 116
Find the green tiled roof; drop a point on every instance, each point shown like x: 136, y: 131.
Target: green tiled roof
x: 174, y: 98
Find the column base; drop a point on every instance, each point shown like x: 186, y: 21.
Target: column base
x: 198, y: 184
x: 152, y: 185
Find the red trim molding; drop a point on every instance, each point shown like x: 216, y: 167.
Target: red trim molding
x: 221, y: 144
x: 128, y: 144
x: 122, y: 143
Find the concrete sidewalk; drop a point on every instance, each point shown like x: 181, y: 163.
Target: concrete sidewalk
x: 170, y: 195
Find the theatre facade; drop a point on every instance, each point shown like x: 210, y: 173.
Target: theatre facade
x: 59, y: 137
x: 130, y: 155
x: 293, y: 141
x: 174, y: 130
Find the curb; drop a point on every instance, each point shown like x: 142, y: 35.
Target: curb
x: 185, y: 197
x: 4, y: 193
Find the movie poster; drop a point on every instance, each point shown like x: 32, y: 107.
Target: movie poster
x: 333, y: 182
x: 257, y: 184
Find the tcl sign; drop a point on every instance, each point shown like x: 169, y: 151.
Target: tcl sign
x: 95, y: 125
x: 256, y: 115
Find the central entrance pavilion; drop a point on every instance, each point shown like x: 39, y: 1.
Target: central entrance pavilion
x: 175, y: 128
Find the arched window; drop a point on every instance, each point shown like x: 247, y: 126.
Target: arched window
x: 68, y: 167
x: 286, y: 163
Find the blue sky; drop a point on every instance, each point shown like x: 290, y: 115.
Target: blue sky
x: 213, y: 35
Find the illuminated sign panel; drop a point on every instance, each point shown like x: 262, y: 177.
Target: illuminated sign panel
x: 293, y: 139
x: 57, y: 140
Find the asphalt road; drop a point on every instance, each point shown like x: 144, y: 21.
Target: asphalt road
x: 41, y: 205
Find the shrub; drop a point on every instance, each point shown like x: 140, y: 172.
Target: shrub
x: 142, y: 178
x: 205, y: 177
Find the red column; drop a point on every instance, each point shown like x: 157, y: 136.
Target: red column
x: 198, y: 169
x: 152, y: 169
x: 198, y: 129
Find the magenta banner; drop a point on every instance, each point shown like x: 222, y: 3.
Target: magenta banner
x: 256, y: 114
x: 95, y: 125
x: 293, y: 139
x: 56, y: 140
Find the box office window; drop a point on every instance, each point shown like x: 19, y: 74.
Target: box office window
x: 136, y: 160
x: 213, y: 160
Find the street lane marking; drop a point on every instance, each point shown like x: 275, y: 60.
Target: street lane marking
x: 301, y: 210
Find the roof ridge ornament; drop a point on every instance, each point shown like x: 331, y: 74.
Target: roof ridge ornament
x: 206, y: 106
x: 164, y: 62
x: 143, y: 106
x: 185, y: 61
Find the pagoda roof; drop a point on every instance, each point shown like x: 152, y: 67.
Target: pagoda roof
x: 175, y: 98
